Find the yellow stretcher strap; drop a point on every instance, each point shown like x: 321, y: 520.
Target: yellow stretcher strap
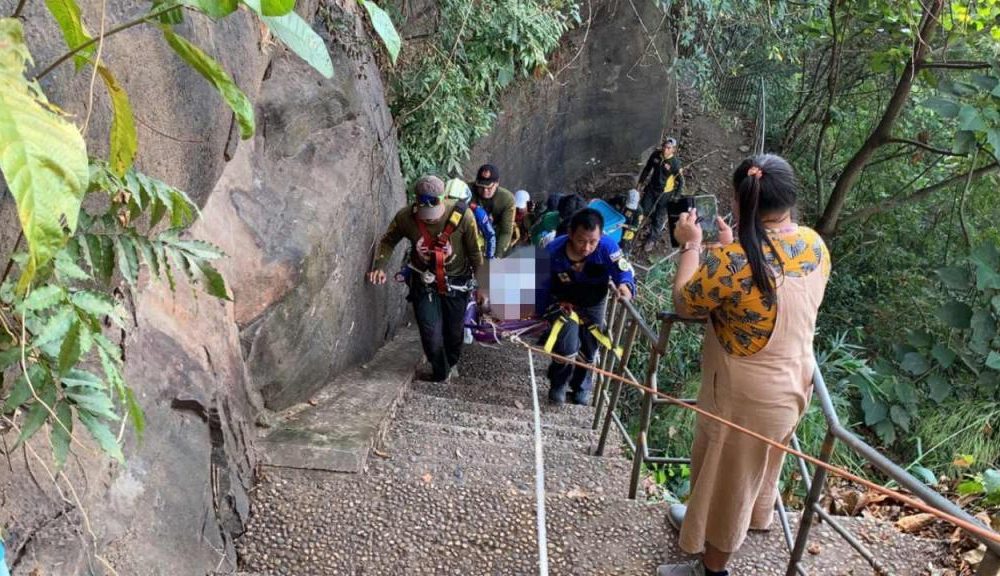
x: 605, y: 340
x: 557, y: 327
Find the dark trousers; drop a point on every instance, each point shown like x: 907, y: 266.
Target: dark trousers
x: 440, y: 320
x: 575, y: 341
x: 666, y: 210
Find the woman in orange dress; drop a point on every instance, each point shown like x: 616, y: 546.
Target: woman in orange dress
x: 761, y: 294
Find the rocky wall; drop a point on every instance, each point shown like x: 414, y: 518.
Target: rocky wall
x: 296, y: 208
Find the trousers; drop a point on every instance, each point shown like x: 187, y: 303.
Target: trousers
x: 440, y: 321
x: 576, y: 341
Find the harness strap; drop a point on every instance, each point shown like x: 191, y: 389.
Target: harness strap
x: 436, y: 245
x: 604, y: 339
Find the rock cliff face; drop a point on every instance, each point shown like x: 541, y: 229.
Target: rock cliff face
x: 611, y: 95
x: 296, y: 208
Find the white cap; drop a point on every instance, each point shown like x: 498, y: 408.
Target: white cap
x: 521, y: 198
x: 632, y: 203
x: 457, y: 188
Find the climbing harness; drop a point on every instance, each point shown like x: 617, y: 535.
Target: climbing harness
x: 436, y: 245
x: 978, y: 530
x: 543, y: 548
x: 602, y: 337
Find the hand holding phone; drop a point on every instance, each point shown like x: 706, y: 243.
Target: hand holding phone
x: 707, y: 209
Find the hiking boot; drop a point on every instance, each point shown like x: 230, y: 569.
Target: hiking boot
x: 557, y: 396
x: 427, y: 375
x: 467, y: 336
x: 581, y: 398
x: 453, y: 373
x: 675, y: 515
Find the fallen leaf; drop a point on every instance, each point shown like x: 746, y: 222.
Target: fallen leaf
x: 974, y: 557
x: 518, y: 405
x: 380, y: 453
x: 915, y: 522
x: 576, y: 493
x: 964, y: 461
x: 313, y: 402
x: 427, y: 478
x: 815, y: 549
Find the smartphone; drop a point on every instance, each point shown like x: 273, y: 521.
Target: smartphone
x: 708, y: 209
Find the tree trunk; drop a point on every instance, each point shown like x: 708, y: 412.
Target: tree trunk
x: 827, y: 225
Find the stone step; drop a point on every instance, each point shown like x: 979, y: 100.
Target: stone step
x: 311, y: 526
x: 523, y: 435
x: 416, y: 400
x: 498, y: 396
x: 523, y: 426
x: 565, y: 472
x: 471, y: 447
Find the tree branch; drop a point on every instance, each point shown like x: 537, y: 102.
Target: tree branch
x: 919, y: 144
x: 146, y: 18
x: 922, y: 193
x: 958, y: 65
x: 19, y: 9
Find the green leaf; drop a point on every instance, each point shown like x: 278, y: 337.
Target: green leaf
x: 993, y: 137
x: 954, y: 277
x: 215, y: 285
x: 213, y: 72
x: 906, y: 393
x: 214, y: 8
x: 9, y: 357
x: 886, y: 431
x: 101, y: 256
x: 991, y: 481
x: 44, y: 297
x: 993, y: 360
x: 944, y: 355
x: 924, y: 475
x: 943, y: 107
x: 68, y: 269
x: 171, y: 16
x: 198, y: 249
x: 918, y: 338
x: 995, y: 301
x: 43, y: 157
x: 56, y: 327
x: 986, y: 255
x: 148, y: 255
x: 60, y: 434
x: 970, y: 487
x: 915, y: 363
x: 124, y: 140
x: 37, y: 414
x: 299, y: 37
x: 67, y: 16
x: 105, y: 439
x: 384, y: 28
x: 970, y: 118
x: 276, y: 7
x: 128, y: 259
x: 22, y: 390
x: 81, y: 379
x: 984, y: 328
x: 900, y: 416
x: 874, y: 410
x: 965, y: 142
x: 988, y: 382
x: 135, y: 413
x: 940, y: 388
x: 955, y: 314
x: 94, y: 401
x: 71, y: 349
x: 96, y: 304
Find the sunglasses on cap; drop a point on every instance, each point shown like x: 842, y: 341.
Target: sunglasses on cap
x: 428, y: 200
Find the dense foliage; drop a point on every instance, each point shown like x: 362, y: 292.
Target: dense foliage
x: 445, y: 96
x: 890, y: 113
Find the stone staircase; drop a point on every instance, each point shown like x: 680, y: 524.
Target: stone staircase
x: 450, y: 490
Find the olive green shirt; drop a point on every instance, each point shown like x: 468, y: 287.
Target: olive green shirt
x: 501, y: 210
x: 466, y: 257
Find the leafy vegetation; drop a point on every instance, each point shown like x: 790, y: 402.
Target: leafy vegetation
x: 445, y: 99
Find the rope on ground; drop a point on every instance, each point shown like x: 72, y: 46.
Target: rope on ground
x: 969, y: 527
x: 543, y: 547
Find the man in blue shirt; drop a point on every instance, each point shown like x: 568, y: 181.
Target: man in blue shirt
x: 573, y: 292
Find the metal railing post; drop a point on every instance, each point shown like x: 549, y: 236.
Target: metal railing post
x: 615, y: 329
x: 645, y: 416
x: 600, y: 379
x: 633, y: 329
x: 815, y: 491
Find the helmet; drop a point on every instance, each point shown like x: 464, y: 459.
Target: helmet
x: 521, y: 198
x: 457, y: 188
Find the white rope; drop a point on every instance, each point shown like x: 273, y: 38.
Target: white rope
x: 543, y: 548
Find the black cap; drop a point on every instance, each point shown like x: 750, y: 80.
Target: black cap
x: 487, y: 175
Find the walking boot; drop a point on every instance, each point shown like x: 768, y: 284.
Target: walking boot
x: 581, y: 397
x: 557, y: 396
x: 687, y: 569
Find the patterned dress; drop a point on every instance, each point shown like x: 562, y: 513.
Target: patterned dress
x: 722, y: 288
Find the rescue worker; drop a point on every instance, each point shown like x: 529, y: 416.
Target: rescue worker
x: 522, y: 218
x: 662, y: 181
x: 444, y: 258
x: 572, y: 293
x: 628, y: 205
x: 457, y: 189
x: 498, y: 202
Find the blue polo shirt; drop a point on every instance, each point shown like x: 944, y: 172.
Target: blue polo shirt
x: 588, y: 286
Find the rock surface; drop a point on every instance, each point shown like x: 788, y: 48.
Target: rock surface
x: 296, y: 208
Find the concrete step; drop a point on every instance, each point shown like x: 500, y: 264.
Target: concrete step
x: 524, y: 436
x: 495, y: 395
x: 559, y: 416
x: 521, y: 426
x: 472, y: 447
x: 565, y: 472
x: 311, y: 526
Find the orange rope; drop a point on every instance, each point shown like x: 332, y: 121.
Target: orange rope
x: 976, y: 529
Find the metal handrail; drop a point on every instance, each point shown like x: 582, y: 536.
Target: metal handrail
x: 627, y: 325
